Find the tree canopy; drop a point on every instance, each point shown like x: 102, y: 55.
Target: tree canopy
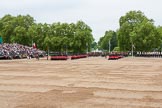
x: 109, y: 40
x: 138, y: 30
x: 135, y: 29
x: 57, y: 36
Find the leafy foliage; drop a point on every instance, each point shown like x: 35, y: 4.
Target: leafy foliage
x: 104, y: 41
x: 57, y: 36
x: 136, y: 29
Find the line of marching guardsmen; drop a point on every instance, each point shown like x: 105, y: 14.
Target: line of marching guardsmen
x: 118, y: 55
x: 148, y: 54
x: 109, y: 56
x: 15, y: 50
x: 135, y: 54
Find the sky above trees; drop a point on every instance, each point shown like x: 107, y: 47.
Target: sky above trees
x: 100, y: 15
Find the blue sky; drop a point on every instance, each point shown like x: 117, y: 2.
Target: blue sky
x: 100, y: 15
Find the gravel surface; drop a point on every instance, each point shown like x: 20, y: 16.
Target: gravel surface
x: 93, y: 82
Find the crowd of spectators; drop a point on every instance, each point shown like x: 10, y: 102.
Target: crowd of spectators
x: 11, y: 51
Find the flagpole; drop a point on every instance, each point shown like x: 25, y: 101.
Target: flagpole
x: 87, y: 47
x: 132, y: 49
x: 109, y: 46
x: 48, y: 53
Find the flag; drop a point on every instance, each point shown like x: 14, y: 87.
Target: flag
x: 34, y: 45
x: 1, y: 41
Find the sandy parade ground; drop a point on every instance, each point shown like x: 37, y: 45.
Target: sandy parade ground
x: 93, y: 82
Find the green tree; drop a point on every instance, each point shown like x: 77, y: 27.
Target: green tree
x: 58, y: 36
x: 7, y: 27
x: 94, y: 46
x: 82, y: 38
x: 159, y: 29
x: 15, y: 29
x: 109, y: 40
x: 136, y: 29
